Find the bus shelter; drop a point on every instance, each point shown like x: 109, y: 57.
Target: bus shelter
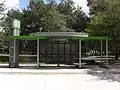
x: 60, y: 37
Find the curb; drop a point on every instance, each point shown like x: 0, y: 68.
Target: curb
x: 40, y: 72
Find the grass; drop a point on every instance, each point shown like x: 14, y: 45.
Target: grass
x: 19, y: 55
x: 4, y: 62
x: 4, y: 55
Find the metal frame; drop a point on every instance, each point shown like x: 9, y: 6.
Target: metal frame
x: 58, y: 54
x: 80, y: 64
x: 101, y: 45
x: 78, y: 36
x: 69, y: 34
x: 80, y: 56
x: 38, y: 53
x: 106, y: 53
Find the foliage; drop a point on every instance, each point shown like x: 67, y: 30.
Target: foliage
x: 75, y: 17
x: 97, y: 6
x: 3, y: 39
x: 44, y: 17
x: 2, y: 9
x: 80, y: 20
x: 107, y: 23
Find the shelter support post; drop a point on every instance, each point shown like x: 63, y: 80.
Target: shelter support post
x: 106, y: 53
x: 80, y: 63
x: 38, y: 52
x: 101, y: 51
x: 14, y: 53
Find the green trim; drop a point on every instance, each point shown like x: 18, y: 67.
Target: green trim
x: 91, y: 38
x: 29, y: 37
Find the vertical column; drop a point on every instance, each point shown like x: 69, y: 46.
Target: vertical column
x: 52, y: 50
x: 107, y: 53
x: 71, y: 54
x: 80, y: 64
x: 14, y: 53
x: 14, y: 44
x: 64, y: 52
x: 101, y: 45
x: 46, y: 54
x: 38, y: 53
x: 58, y: 55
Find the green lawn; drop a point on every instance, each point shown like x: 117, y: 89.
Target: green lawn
x: 19, y: 55
x: 4, y: 55
x: 3, y: 62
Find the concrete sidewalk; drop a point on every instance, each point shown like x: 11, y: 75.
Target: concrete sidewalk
x: 41, y: 71
x: 59, y: 79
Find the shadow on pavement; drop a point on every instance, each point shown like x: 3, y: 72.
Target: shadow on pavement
x: 94, y: 70
x: 105, y: 74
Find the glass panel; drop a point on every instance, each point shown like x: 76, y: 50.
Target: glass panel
x: 67, y: 58
x: 49, y: 48
x: 61, y: 48
x: 55, y: 48
x: 41, y: 58
x: 49, y: 60
x: 74, y: 49
x: 75, y: 58
x: 55, y: 56
x: 67, y: 49
x: 55, y: 59
x: 61, y: 60
x: 61, y: 56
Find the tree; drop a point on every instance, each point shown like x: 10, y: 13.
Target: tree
x: 3, y: 39
x: 107, y: 23
x: 75, y: 17
x: 56, y: 21
x: 97, y: 6
x: 38, y: 17
x: 2, y: 9
x: 44, y: 17
x: 80, y: 20
x: 2, y: 14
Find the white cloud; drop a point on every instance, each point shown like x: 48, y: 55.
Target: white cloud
x: 83, y: 4
x: 11, y: 4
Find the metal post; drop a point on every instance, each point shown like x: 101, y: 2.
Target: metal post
x: 58, y: 55
x: 38, y: 52
x: 80, y: 64
x: 107, y: 53
x: 14, y: 44
x: 52, y: 50
x: 64, y: 52
x: 101, y: 51
x: 70, y: 53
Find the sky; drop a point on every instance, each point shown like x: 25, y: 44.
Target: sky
x: 23, y: 4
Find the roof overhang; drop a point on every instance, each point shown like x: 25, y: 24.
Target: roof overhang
x: 63, y: 34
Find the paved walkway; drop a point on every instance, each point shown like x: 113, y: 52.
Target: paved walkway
x: 55, y: 79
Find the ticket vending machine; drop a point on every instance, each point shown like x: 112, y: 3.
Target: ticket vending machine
x: 14, y: 44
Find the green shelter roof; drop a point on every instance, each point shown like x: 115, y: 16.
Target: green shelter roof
x: 91, y: 38
x: 46, y: 37
x: 29, y: 37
